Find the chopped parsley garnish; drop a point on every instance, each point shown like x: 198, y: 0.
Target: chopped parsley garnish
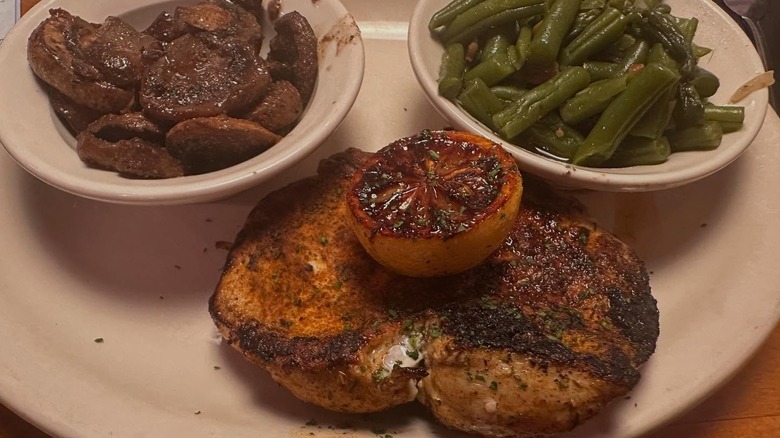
x: 489, y: 304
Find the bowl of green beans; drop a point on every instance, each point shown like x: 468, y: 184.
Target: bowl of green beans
x: 612, y: 95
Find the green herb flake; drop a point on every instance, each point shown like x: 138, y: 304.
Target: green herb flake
x: 324, y: 240
x: 414, y: 354
x: 494, y: 385
x: 434, y: 331
x: 479, y: 377
x: 380, y: 375
x: 433, y: 154
x: 311, y: 422
x: 489, y: 304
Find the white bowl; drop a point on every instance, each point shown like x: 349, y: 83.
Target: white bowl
x: 734, y: 60
x: 35, y: 138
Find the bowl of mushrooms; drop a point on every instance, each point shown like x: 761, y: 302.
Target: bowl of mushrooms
x: 172, y: 102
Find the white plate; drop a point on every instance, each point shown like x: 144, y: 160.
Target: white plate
x: 74, y: 270
x: 733, y: 59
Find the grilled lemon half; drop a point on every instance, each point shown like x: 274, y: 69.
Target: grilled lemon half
x: 435, y: 204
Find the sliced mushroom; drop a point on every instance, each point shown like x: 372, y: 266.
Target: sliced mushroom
x: 212, y: 143
x: 129, y: 144
x: 293, y: 53
x: 50, y: 52
x: 201, y: 76
x: 224, y: 18
x: 165, y: 28
x: 279, y: 109
x: 75, y: 117
x: 119, y: 52
x: 254, y: 7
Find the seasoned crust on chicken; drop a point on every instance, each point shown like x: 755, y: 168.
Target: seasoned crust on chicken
x: 535, y: 340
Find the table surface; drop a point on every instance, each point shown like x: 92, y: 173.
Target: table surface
x: 748, y: 406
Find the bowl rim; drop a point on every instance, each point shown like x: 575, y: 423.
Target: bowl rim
x: 581, y: 177
x: 298, y: 144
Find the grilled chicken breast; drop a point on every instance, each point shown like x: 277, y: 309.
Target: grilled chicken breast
x: 535, y: 340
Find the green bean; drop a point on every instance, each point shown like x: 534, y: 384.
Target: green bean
x: 484, y: 15
x: 621, y: 5
x: 593, y: 4
x: 620, y: 47
x: 686, y: 26
x: 699, y: 51
x: 659, y: 55
x: 640, y: 151
x: 478, y: 101
x: 494, y: 45
x: 540, y: 101
x: 706, y: 136
x: 657, y: 117
x: 508, y: 92
x: 492, y: 70
x: 658, y: 27
x: 548, y: 38
x: 705, y: 83
x: 731, y: 114
x: 592, y: 100
x: 728, y: 127
x: 523, y: 44
x: 445, y: 15
x: 553, y: 137
x: 453, y: 64
x: 623, y: 113
x: 583, y: 19
x: 602, y: 70
x: 663, y: 8
x: 690, y: 107
x: 605, y: 30
x: 636, y: 54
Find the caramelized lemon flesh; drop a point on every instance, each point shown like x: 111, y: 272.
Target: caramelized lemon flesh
x: 435, y: 204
